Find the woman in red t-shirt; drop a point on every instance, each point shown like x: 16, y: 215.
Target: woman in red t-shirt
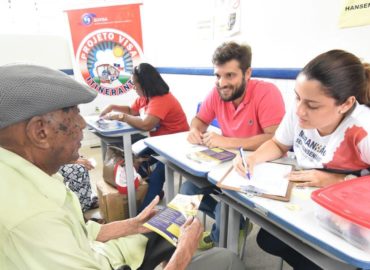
x: 155, y: 110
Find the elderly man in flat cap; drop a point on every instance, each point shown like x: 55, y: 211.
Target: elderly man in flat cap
x: 41, y: 223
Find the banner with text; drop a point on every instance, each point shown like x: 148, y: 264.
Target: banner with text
x: 107, y: 44
x: 355, y: 13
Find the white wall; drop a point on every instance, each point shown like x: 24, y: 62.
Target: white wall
x: 285, y: 33
x: 47, y: 50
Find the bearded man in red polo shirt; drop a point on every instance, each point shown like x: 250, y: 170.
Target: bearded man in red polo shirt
x: 248, y: 112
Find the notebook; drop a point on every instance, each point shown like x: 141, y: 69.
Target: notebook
x: 268, y: 180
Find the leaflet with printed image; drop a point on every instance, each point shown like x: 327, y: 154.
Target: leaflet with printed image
x: 212, y: 156
x: 168, y: 221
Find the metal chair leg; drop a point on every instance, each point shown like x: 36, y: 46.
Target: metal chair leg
x: 281, y: 264
x: 180, y: 183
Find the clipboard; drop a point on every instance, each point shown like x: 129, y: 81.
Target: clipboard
x: 253, y: 191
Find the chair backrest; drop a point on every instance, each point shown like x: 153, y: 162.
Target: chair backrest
x: 214, y: 121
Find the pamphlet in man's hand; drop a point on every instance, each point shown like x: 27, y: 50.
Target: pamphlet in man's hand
x: 168, y: 221
x: 212, y: 156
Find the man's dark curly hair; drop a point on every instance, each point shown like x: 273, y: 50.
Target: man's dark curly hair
x: 231, y: 50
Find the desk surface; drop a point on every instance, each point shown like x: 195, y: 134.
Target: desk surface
x: 125, y: 131
x: 122, y: 127
x: 175, y: 147
x: 297, y: 218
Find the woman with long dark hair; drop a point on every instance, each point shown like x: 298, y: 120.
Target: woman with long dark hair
x: 328, y: 130
x: 155, y: 110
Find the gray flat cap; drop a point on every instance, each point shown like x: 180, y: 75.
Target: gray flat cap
x: 29, y: 90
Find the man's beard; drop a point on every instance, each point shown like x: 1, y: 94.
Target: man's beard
x: 236, y: 94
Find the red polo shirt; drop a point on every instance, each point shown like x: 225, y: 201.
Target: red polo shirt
x: 262, y: 106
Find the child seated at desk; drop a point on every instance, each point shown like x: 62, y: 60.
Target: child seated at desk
x: 156, y: 108
x: 328, y: 131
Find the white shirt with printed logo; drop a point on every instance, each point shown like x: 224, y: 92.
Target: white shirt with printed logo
x: 347, y: 148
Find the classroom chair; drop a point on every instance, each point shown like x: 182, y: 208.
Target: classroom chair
x: 214, y: 122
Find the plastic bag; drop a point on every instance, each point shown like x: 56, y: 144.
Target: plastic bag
x: 114, y: 172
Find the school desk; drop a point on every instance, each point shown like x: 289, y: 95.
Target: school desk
x: 173, y: 150
x: 293, y: 222
x: 124, y: 130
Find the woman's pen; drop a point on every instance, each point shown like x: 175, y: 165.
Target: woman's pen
x: 244, y: 164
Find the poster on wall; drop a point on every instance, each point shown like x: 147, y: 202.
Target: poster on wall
x: 355, y: 13
x: 107, y: 44
x: 226, y: 18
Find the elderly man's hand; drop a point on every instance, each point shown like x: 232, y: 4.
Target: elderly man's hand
x: 190, y: 235
x: 145, y: 215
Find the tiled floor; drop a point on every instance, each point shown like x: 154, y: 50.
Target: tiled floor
x: 254, y: 257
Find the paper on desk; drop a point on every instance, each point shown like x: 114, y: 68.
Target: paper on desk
x: 303, y: 194
x: 268, y: 177
x: 104, y: 124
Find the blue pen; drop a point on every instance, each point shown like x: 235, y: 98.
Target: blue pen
x: 244, y: 164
